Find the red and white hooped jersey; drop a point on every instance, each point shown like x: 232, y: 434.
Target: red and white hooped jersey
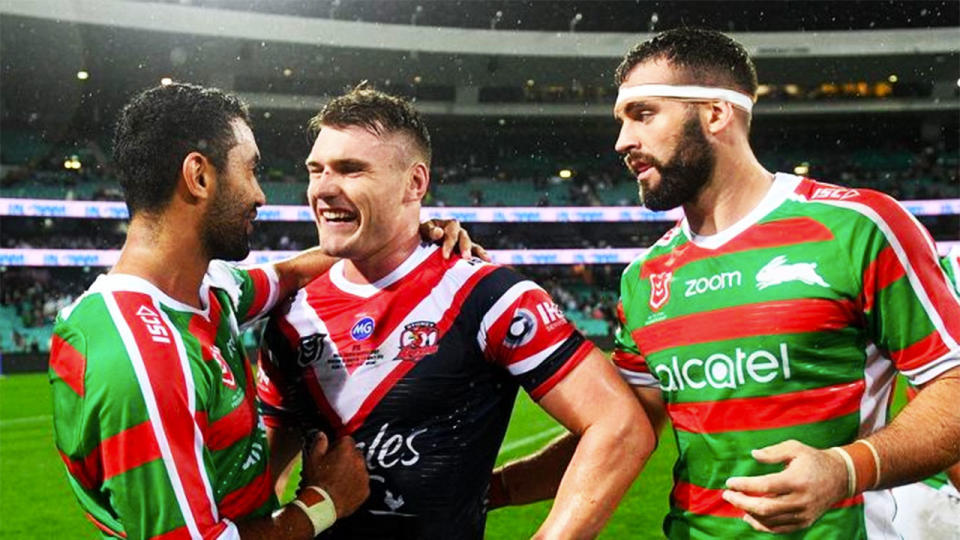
x: 422, y: 369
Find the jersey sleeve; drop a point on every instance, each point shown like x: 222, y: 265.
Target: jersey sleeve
x: 525, y: 332
x: 253, y: 290
x: 133, y: 451
x: 911, y: 309
x: 626, y: 355
x: 951, y: 266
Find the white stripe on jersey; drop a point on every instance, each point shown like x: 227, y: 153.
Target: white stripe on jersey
x: 143, y: 379
x: 231, y: 532
x: 501, y: 305
x: 532, y: 361
x: 879, y: 373
x: 912, y: 276
x: 347, y: 393
x: 931, y: 370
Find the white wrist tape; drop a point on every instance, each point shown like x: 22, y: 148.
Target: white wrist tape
x: 321, y: 513
x: 738, y: 99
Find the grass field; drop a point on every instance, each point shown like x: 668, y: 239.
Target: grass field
x: 35, y: 501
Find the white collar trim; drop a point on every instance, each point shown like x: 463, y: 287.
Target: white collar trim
x: 369, y: 289
x: 783, y: 185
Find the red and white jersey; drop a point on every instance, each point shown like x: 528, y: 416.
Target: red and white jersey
x: 422, y: 369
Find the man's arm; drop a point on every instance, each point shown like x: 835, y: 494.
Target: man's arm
x: 537, y: 477
x: 615, y: 439
x: 340, y: 474
x: 922, y: 440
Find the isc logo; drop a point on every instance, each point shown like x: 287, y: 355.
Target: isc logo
x: 158, y: 332
x: 836, y: 193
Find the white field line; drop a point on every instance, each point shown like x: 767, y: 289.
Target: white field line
x: 24, y: 420
x: 530, y: 439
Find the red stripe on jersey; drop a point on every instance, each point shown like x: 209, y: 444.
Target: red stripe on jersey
x: 762, y: 318
x: 180, y: 533
x: 114, y: 455
x: 261, y: 292
x: 709, y: 502
x: 96, y: 523
x: 916, y: 355
x: 769, y: 412
x: 879, y: 274
x: 784, y: 232
x: 916, y: 244
x: 630, y: 361
x: 402, y: 297
x: 231, y: 427
x: 87, y: 472
x: 444, y: 324
x: 582, y: 351
x: 130, y: 448
x: 68, y: 363
x: 242, y: 501
x: 550, y: 328
x: 162, y: 363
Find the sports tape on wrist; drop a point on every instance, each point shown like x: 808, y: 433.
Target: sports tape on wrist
x: 318, y: 506
x: 738, y: 99
x: 866, y: 461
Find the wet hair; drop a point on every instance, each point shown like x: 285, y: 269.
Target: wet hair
x: 159, y: 127
x: 378, y: 113
x: 703, y: 57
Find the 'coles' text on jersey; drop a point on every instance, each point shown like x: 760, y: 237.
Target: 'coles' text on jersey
x: 422, y: 369
x: 790, y: 324
x: 154, y: 406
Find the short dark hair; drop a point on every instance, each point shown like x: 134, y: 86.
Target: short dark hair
x: 377, y: 112
x: 159, y: 127
x: 704, y: 56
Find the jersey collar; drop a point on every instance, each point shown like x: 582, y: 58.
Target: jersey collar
x: 783, y: 185
x: 367, y: 290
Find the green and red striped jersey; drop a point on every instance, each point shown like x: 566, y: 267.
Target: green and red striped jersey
x: 790, y: 324
x: 154, y: 405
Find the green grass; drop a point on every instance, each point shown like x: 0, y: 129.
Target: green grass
x: 35, y: 501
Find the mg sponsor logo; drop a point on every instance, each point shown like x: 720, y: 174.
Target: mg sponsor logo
x: 363, y: 329
x: 777, y: 271
x: 716, y: 282
x: 720, y: 370
x: 660, y: 289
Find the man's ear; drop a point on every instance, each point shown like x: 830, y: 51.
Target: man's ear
x: 418, y: 183
x: 721, y: 114
x: 198, y: 176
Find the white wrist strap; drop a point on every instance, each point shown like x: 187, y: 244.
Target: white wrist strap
x: 738, y: 99
x: 322, y: 514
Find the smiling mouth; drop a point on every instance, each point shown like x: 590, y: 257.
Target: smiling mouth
x: 337, y: 216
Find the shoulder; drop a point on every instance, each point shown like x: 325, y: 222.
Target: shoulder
x: 867, y: 205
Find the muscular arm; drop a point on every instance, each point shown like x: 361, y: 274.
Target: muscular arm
x: 615, y: 439
x: 537, y: 477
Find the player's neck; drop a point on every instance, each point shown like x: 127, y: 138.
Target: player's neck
x: 162, y: 254
x: 738, y: 185
x: 388, y: 258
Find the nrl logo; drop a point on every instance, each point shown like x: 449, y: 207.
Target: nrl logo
x: 777, y: 271
x: 660, y: 289
x: 310, y: 349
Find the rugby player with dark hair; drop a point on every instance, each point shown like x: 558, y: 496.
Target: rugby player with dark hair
x: 769, y: 374
x: 155, y: 413
x: 420, y: 358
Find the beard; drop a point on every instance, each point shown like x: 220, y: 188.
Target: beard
x: 683, y: 176
x: 225, y: 226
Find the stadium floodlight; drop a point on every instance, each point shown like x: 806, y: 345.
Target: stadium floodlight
x: 416, y: 15
x: 83, y: 75
x: 575, y: 21
x: 166, y: 81
x: 893, y: 78
x: 565, y: 174
x: 287, y: 72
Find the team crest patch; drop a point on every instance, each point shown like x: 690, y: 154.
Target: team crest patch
x: 522, y: 328
x: 417, y: 340
x: 660, y: 289
x: 310, y: 349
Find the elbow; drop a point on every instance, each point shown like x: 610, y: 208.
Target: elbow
x: 633, y: 438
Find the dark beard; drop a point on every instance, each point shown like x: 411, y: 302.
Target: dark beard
x: 684, y: 175
x: 225, y: 227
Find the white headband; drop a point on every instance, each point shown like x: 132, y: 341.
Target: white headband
x: 691, y: 92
